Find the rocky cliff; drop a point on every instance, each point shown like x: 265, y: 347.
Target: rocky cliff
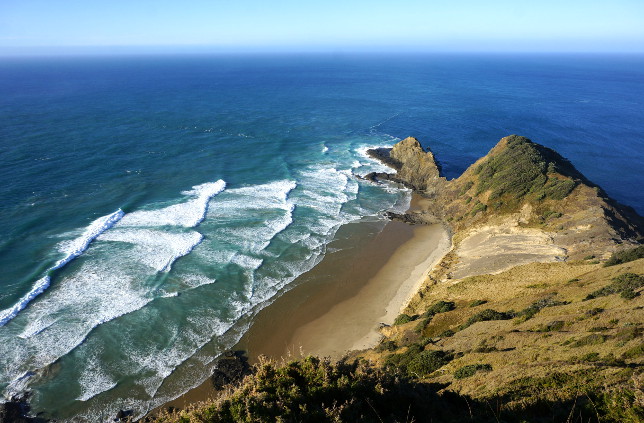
x: 522, y: 184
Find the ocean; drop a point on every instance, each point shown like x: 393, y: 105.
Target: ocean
x: 151, y: 206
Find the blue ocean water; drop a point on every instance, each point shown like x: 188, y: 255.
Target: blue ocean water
x: 150, y: 206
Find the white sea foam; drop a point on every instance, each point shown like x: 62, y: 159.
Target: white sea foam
x: 325, y: 149
x: 155, y: 248
x: 94, y: 294
x: 72, y: 250
x: 269, y: 202
x: 188, y: 214
x: 94, y: 380
x: 371, y: 164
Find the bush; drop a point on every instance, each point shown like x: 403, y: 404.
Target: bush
x: 625, y: 256
x: 402, y: 319
x: 537, y: 306
x: 476, y: 303
x: 447, y: 333
x: 593, y: 339
x: 635, y: 352
x: 470, y: 370
x: 478, y: 207
x: 624, y: 284
x: 314, y: 390
x: 466, y: 187
x: 486, y: 315
x: 386, y: 346
x: 592, y: 356
x: 427, y: 362
x: 417, y: 361
x: 439, y: 307
x: 552, y: 326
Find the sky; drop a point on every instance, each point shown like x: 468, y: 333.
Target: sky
x: 67, y: 26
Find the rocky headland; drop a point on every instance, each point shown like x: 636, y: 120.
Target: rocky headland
x: 535, y: 314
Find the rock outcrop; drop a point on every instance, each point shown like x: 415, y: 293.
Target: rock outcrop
x: 16, y: 410
x: 231, y: 368
x: 519, y: 183
x: 418, y: 168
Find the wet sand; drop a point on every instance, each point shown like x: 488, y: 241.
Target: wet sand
x: 364, y: 280
x: 344, y: 312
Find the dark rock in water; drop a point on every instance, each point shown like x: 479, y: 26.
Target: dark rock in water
x: 384, y: 155
x: 16, y: 410
x: 230, y: 368
x: 123, y: 415
x: 413, y: 218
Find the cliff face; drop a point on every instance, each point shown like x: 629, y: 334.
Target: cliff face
x: 418, y: 168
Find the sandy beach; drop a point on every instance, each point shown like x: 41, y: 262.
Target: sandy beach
x: 364, y: 281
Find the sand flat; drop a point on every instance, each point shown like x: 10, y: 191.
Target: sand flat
x: 352, y: 324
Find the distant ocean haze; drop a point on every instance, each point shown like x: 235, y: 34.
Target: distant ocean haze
x: 231, y: 175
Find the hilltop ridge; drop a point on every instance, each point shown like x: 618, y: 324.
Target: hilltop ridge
x: 521, y: 181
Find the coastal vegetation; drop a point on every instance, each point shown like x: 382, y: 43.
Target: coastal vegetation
x: 572, y: 360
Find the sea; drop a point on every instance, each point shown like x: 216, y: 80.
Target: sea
x: 151, y: 206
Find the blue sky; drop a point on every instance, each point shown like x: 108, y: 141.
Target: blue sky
x: 301, y: 25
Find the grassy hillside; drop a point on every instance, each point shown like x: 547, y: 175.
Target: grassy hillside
x: 538, y: 343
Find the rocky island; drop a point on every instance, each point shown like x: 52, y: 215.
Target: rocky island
x: 534, y: 314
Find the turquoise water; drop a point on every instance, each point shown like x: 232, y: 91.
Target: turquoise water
x: 151, y: 206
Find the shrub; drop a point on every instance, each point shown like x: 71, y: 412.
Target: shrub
x: 417, y: 361
x: 593, y: 339
x: 486, y: 315
x: 386, y: 346
x: 427, y: 362
x: 591, y: 356
x: 552, y: 326
x: 624, y: 284
x: 476, y: 303
x: 470, y: 370
x: 402, y: 319
x: 478, y: 207
x: 466, y: 187
x: 625, y: 256
x: 635, y: 352
x: 629, y: 333
x: 439, y: 307
x: 522, y: 169
x: 594, y: 311
x: 530, y: 311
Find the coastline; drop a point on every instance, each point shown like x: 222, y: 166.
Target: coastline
x: 339, y: 305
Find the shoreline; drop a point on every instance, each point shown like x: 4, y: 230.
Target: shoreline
x: 339, y: 305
